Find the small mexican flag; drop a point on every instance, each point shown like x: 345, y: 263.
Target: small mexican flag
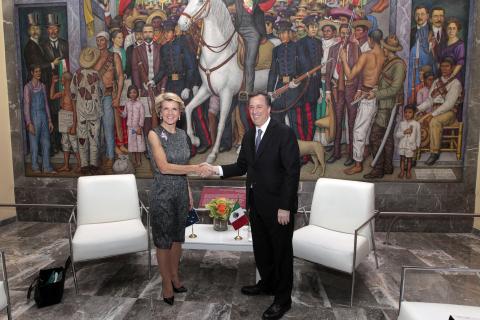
x: 238, y: 217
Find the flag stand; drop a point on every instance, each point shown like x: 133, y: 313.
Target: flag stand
x: 192, y: 235
x: 238, y: 237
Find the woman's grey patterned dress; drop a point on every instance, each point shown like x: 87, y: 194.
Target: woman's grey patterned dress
x: 169, y: 195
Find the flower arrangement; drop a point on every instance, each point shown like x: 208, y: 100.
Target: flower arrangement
x: 220, y: 208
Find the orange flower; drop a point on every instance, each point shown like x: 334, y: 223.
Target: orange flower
x: 221, y: 208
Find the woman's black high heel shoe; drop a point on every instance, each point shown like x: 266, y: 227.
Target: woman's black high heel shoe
x: 169, y: 300
x: 182, y: 289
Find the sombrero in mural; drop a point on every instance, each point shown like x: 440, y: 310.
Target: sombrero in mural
x: 88, y: 57
x: 157, y: 13
x: 134, y: 17
x: 328, y: 22
x: 362, y: 23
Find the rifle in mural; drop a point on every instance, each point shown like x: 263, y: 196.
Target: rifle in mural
x: 416, y: 63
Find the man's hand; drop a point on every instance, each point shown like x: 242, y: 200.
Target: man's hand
x: 72, y: 131
x: 427, y: 117
x: 328, y: 97
x: 357, y: 95
x: 272, y: 96
x: 195, y: 90
x: 371, y: 94
x: 283, y: 217
x: 207, y: 170
x: 185, y: 93
x: 31, y: 128
x: 50, y: 126
x: 139, y: 131
x: 293, y: 84
x: 343, y: 55
x: 116, y: 103
x: 56, y: 61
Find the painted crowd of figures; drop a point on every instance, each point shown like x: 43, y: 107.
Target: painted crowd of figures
x: 350, y: 104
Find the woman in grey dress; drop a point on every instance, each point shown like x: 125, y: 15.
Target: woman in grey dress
x: 170, y: 198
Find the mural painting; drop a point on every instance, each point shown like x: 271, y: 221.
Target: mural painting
x: 335, y: 72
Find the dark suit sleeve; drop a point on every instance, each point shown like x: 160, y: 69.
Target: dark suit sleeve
x: 240, y: 167
x: 272, y: 74
x: 290, y: 159
x: 163, y: 66
x: 135, y: 69
x: 189, y: 61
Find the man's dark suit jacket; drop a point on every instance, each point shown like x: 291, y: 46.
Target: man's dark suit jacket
x: 140, y: 65
x: 273, y: 171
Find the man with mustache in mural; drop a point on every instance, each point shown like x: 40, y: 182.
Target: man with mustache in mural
x: 369, y: 66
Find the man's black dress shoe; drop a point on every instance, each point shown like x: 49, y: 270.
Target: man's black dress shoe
x: 169, y: 300
x: 181, y: 289
x: 254, y: 290
x: 432, y: 159
x: 349, y: 162
x: 333, y: 158
x: 276, y: 311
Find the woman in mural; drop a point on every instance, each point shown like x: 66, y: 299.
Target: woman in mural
x: 455, y: 48
x: 120, y: 124
x: 170, y: 199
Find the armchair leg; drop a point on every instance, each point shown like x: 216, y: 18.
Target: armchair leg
x: 9, y: 312
x: 372, y: 234
x: 353, y: 288
x: 149, y: 261
x: 75, y: 282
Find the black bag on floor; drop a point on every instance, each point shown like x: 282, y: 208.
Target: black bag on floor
x: 49, y: 285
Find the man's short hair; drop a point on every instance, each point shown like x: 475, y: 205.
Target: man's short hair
x: 376, y: 36
x: 438, y: 9
x: 448, y: 60
x: 422, y: 7
x: 268, y: 100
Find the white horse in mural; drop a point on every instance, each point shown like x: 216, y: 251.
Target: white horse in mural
x: 218, y: 65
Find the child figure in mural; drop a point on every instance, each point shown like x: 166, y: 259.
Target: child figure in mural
x: 68, y: 114
x: 408, y: 132
x: 37, y: 119
x: 135, y: 114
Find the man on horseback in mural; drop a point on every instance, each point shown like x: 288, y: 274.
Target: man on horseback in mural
x: 250, y: 24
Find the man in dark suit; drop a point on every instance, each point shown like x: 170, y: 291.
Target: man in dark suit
x: 270, y: 157
x: 145, y: 65
x: 439, y: 32
x: 32, y: 52
x: 54, y: 47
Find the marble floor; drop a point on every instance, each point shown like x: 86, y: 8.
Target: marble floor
x: 118, y: 288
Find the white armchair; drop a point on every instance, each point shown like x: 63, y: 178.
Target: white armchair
x: 4, y: 295
x: 340, y: 233
x: 413, y: 310
x: 108, y: 220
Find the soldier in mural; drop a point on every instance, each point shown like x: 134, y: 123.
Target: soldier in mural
x: 284, y: 69
x: 369, y: 66
x: 38, y: 120
x: 310, y: 55
x: 361, y: 28
x: 341, y: 92
x: 443, y: 101
x: 389, y: 95
x: 86, y: 89
x: 109, y: 67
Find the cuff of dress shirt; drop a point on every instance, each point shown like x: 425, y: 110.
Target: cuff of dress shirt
x: 220, y: 171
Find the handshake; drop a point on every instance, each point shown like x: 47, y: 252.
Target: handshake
x: 207, y: 170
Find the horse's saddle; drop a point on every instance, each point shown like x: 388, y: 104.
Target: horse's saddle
x: 264, y: 56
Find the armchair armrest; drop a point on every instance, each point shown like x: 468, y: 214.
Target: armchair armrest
x: 433, y: 269
x: 72, y: 220
x: 147, y: 212
x: 375, y: 214
x: 304, y: 211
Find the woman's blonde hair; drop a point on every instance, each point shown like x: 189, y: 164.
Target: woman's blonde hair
x: 168, y: 96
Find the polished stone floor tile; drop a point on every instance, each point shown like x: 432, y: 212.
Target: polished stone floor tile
x: 119, y: 287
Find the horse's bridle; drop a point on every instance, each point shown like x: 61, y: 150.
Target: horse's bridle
x: 204, y: 8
